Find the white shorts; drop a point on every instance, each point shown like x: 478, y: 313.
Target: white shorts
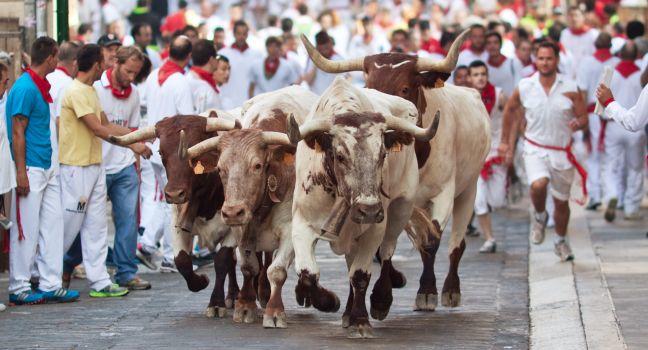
x: 538, y: 167
x: 491, y: 193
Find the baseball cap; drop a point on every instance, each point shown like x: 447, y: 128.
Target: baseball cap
x: 108, y: 40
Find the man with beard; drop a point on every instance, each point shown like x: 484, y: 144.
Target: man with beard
x: 553, y: 108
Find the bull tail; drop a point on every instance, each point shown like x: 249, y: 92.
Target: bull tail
x: 419, y: 228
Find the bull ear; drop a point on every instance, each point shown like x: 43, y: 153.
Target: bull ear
x: 320, y: 141
x: 395, y: 139
x: 284, y: 154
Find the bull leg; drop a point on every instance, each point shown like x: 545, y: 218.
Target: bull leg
x: 232, y: 284
x: 308, y: 291
x: 222, y: 260
x: 427, y: 296
x: 463, y: 208
x: 245, y: 308
x: 182, y: 258
x: 275, y: 315
x: 263, y: 285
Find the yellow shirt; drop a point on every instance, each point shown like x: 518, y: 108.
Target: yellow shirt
x: 77, y: 144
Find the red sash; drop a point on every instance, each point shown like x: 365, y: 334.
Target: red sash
x: 570, y: 157
x: 168, y: 68
x: 118, y: 94
x: 206, y: 76
x: 487, y: 169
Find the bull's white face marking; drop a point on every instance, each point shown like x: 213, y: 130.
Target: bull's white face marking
x: 380, y: 66
x: 400, y: 64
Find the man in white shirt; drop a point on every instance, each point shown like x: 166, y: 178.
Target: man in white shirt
x: 632, y: 119
x: 143, y: 35
x: 272, y: 73
x: 554, y: 109
x: 367, y: 43
x: 477, y: 49
x: 578, y: 39
x: 524, y: 59
x: 201, y: 76
x: 168, y: 93
x: 241, y: 58
x: 503, y: 72
x: 588, y: 75
x: 624, y: 150
x: 317, y: 79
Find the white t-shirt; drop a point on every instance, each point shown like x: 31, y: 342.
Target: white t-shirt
x: 496, y: 116
x: 578, y: 45
x: 525, y: 71
x: 235, y: 91
x: 322, y: 79
x: 59, y: 81
x: 505, y: 76
x: 123, y: 112
x: 358, y: 48
x: 634, y: 118
x: 626, y: 90
x: 467, y: 56
x: 7, y: 167
x: 589, y: 74
x: 204, y: 96
x: 154, y: 56
x: 548, y: 117
x: 285, y: 76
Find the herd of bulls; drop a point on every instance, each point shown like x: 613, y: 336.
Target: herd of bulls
x: 355, y: 167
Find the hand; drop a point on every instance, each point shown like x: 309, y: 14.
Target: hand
x: 142, y: 150
x: 575, y: 124
x: 603, y: 93
x: 503, y: 149
x: 22, y: 187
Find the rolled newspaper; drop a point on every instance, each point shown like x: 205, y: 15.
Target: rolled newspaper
x: 606, y: 78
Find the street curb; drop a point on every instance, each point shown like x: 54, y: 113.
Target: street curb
x: 569, y: 304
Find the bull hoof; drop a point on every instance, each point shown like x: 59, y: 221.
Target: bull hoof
x: 229, y: 302
x: 361, y: 331
x: 346, y: 321
x: 245, y: 312
x: 380, y: 306
x: 451, y: 299
x: 277, y: 320
x: 198, y: 283
x: 378, y: 314
x: 398, y: 279
x: 426, y: 302
x: 326, y: 301
x: 215, y: 312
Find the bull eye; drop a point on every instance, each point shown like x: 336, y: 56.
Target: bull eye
x: 340, y: 158
x: 257, y: 166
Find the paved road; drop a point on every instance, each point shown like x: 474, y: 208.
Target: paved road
x: 494, y: 312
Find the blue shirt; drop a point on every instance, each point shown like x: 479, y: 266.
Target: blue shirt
x: 25, y: 99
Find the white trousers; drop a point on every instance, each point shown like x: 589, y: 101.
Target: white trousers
x: 594, y: 160
x: 625, y: 153
x: 84, y: 212
x: 491, y: 193
x: 157, y: 219
x: 41, y: 219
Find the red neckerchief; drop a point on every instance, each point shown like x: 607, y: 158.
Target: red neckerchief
x: 561, y: 47
x: 602, y: 55
x: 64, y: 70
x: 431, y: 45
x: 367, y: 39
x: 270, y: 67
x: 206, y: 76
x: 626, y: 68
x: 496, y: 62
x: 488, y: 96
x: 42, y: 84
x: 241, y: 48
x: 118, y: 94
x: 580, y: 31
x: 168, y: 68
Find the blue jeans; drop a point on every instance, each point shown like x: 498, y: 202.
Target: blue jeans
x: 123, y: 189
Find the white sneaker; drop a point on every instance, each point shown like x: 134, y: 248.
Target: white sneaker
x: 563, y: 251
x: 488, y: 247
x: 2, y: 307
x: 538, y: 227
x: 632, y: 216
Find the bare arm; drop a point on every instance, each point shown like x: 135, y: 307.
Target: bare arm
x: 18, y: 126
x: 251, y: 90
x: 510, y: 120
x: 104, y: 129
x: 580, y: 111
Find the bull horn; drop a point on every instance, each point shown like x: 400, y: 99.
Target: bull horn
x: 275, y: 138
x: 446, y: 65
x: 220, y: 124
x: 135, y: 136
x: 329, y: 66
x: 182, y: 145
x: 420, y: 134
x: 314, y: 126
x: 203, y: 147
x: 292, y: 129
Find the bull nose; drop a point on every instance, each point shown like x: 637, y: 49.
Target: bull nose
x: 368, y: 213
x: 175, y: 197
x: 233, y: 213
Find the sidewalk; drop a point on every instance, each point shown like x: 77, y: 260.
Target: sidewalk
x: 598, y: 301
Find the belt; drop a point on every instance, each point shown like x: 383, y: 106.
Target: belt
x: 570, y: 157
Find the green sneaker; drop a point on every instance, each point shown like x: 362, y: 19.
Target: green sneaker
x: 111, y: 291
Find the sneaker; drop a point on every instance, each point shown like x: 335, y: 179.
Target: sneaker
x: 563, y: 251
x: 136, y: 284
x: 488, y: 247
x: 538, y: 227
x: 632, y: 216
x: 168, y: 266
x: 110, y: 291
x: 145, y: 258
x: 60, y: 295
x: 65, y: 280
x: 28, y: 297
x: 592, y: 206
x: 201, y: 261
x: 5, y: 223
x: 79, y: 272
x: 610, y: 211
x: 2, y: 307
x: 471, y: 231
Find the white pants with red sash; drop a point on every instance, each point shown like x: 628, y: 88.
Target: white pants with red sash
x: 38, y: 223
x: 491, y: 186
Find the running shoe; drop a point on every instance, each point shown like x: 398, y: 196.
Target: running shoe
x: 168, y: 266
x: 610, y: 211
x: 488, y: 247
x: 563, y: 251
x: 471, y: 231
x: 60, y: 295
x: 145, y: 258
x: 136, y: 284
x: 592, y: 205
x: 632, y: 216
x: 538, y: 227
x: 2, y: 307
x: 27, y: 297
x: 110, y: 291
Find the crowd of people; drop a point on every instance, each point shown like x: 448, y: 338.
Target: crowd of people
x: 130, y: 64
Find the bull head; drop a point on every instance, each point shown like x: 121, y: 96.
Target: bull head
x: 252, y: 164
x: 355, y: 146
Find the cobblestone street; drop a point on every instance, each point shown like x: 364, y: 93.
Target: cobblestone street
x: 494, y: 311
